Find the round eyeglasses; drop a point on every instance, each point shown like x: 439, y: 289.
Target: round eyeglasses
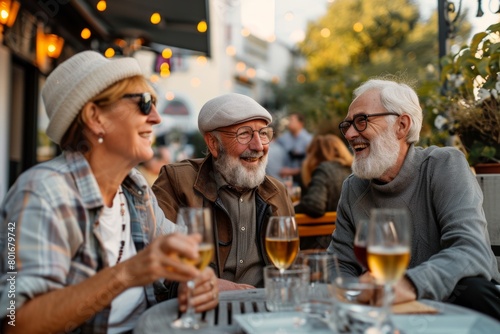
x: 145, y: 103
x: 245, y: 134
x: 360, y: 122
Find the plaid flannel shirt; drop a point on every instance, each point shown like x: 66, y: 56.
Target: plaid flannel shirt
x: 51, y: 212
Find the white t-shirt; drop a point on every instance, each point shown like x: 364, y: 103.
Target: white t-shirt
x: 130, y: 304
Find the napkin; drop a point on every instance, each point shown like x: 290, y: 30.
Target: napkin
x: 413, y: 307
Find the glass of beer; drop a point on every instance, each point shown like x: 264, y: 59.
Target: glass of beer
x: 282, y: 241
x: 195, y: 220
x: 360, y: 242
x: 389, y: 242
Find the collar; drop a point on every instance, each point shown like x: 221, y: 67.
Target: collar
x: 405, y: 175
x: 87, y: 184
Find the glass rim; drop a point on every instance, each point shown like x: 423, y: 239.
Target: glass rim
x: 294, y: 268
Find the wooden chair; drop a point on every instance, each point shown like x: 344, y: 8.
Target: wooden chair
x: 309, y: 226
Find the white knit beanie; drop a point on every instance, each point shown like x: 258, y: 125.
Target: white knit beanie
x: 230, y: 109
x: 76, y: 81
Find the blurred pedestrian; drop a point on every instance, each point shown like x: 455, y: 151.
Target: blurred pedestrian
x: 295, y: 142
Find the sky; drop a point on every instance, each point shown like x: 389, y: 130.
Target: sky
x: 287, y: 19
x: 478, y: 23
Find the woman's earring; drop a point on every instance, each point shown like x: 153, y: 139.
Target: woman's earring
x: 100, y: 140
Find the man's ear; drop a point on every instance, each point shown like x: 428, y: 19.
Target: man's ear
x: 212, y: 144
x: 403, y: 126
x: 91, y: 117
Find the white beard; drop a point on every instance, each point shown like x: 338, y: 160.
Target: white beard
x: 236, y: 174
x: 384, y: 151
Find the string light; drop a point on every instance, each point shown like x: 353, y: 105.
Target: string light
x: 101, y: 5
x: 85, y: 34
x: 202, y: 26
x: 155, y: 18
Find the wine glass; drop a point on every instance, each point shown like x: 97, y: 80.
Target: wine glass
x: 360, y: 241
x: 282, y: 241
x: 388, y: 252
x: 195, y: 220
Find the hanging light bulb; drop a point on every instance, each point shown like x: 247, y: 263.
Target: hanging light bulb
x: 8, y: 12
x: 101, y: 5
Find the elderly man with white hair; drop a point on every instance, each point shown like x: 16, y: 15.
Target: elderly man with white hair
x: 232, y: 181
x: 451, y: 257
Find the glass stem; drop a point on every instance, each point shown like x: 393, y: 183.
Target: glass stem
x: 190, y: 314
x: 385, y: 325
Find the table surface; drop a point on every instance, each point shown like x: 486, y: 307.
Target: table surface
x: 220, y: 320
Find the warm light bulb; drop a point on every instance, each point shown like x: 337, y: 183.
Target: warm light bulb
x: 325, y: 32
x: 165, y: 73
x: 154, y: 78
x: 101, y: 6
x: 202, y: 60
x: 251, y: 73
x: 51, y: 48
x: 231, y: 50
x: 166, y: 53
x: 53, y: 45
x: 240, y: 66
x: 358, y: 27
x: 109, y: 53
x: 169, y: 96
x: 155, y: 18
x: 8, y: 12
x: 4, y: 14
x: 202, y: 26
x: 85, y: 33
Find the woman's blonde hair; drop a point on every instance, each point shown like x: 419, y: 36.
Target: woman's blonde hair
x: 75, y: 138
x: 324, y: 148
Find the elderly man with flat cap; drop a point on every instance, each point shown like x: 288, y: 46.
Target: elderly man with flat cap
x: 232, y: 181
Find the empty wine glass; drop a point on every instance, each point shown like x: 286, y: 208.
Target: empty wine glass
x: 195, y: 220
x: 282, y: 241
x: 388, y: 249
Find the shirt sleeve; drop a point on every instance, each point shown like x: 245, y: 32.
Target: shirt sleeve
x: 39, y: 247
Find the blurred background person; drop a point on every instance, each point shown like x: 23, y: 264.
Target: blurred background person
x: 295, y: 142
x: 150, y: 169
x: 277, y: 155
x: 88, y: 229
x: 327, y: 164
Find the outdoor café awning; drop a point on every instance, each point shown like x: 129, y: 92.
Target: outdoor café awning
x: 131, y: 19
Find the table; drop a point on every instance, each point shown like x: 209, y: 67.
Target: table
x: 452, y: 318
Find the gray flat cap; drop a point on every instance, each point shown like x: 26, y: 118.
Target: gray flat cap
x: 230, y: 109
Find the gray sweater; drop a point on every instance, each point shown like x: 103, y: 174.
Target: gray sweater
x: 450, y: 239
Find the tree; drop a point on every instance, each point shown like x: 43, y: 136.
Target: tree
x: 355, y: 40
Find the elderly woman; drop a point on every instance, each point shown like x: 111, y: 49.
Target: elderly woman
x: 84, y: 234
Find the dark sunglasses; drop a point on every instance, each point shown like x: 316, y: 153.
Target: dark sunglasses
x: 145, y: 103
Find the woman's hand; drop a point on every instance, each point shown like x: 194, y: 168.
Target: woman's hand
x: 206, y: 292
x: 161, y: 259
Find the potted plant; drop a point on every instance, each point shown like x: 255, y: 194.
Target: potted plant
x: 471, y: 82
